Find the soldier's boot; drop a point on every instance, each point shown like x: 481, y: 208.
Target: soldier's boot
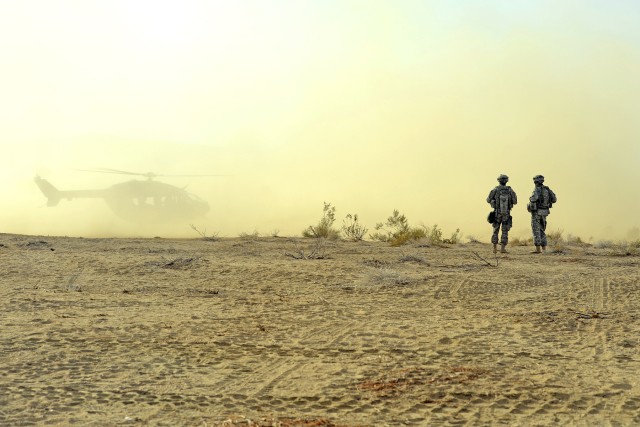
x: 503, y: 248
x: 537, y: 251
x: 495, y: 248
x: 544, y: 249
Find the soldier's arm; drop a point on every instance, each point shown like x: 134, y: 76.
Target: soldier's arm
x: 514, y: 197
x: 490, y: 198
x: 534, y: 197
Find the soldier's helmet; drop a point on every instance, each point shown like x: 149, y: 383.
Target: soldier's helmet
x: 538, y: 178
x: 503, y: 177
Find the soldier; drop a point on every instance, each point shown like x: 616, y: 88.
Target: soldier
x: 502, y: 198
x: 539, y: 204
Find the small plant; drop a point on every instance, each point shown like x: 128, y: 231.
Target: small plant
x: 605, y: 244
x: 318, y: 250
x: 634, y: 248
x: 203, y: 234
x: 517, y: 241
x: 433, y: 237
x: 455, y: 238
x: 324, y: 229
x: 275, y: 233
x: 397, y: 231
x: 249, y: 236
x: 575, y: 241
x: 397, y: 225
x: 555, y: 237
x: 352, y: 229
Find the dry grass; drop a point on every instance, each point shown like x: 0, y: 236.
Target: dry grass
x: 316, y: 250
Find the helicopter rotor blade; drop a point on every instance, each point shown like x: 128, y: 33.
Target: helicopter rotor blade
x: 189, y: 176
x: 149, y: 175
x: 114, y: 171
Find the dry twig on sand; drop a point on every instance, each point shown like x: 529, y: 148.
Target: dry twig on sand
x: 477, y: 256
x: 203, y: 234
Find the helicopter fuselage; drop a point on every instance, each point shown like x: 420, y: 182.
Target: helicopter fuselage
x: 137, y: 200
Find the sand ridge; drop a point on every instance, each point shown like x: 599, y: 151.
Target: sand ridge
x: 239, y: 331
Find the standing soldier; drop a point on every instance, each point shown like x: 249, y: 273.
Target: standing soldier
x: 539, y: 204
x: 502, y: 198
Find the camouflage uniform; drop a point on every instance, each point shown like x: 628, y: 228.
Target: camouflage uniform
x: 539, y: 204
x: 502, y: 198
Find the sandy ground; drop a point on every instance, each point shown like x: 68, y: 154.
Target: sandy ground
x: 242, y: 332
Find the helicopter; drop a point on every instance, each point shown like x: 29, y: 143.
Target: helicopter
x: 141, y: 201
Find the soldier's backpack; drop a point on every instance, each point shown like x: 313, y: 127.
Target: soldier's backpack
x: 547, y: 198
x: 503, y: 202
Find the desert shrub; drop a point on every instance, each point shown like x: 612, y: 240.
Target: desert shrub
x: 396, y: 225
x: 324, y: 228
x: 554, y: 237
x: 633, y: 248
x: 352, y: 229
x: 626, y: 248
x: 397, y: 231
x: 413, y: 234
x: 455, y: 238
x: 605, y: 244
x: 317, y: 250
x: 619, y: 248
x: 434, y: 236
x: 556, y: 242
x: 575, y: 240
x: 521, y: 241
x: 249, y: 236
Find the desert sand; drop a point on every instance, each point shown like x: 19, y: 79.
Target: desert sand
x: 303, y: 332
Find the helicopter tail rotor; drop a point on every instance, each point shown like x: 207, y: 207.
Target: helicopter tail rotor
x: 52, y: 193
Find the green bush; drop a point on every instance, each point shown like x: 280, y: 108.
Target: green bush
x: 397, y: 232
x: 352, y: 229
x: 324, y: 229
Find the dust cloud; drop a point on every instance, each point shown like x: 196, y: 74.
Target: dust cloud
x: 370, y: 113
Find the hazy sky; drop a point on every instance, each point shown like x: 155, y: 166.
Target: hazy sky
x: 370, y: 105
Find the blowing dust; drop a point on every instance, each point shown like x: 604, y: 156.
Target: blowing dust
x: 417, y: 108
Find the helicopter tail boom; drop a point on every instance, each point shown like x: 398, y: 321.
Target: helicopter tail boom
x: 52, y: 193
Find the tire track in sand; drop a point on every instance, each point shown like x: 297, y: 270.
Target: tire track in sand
x: 269, y: 373
x: 273, y: 382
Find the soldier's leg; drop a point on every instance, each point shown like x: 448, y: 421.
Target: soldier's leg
x: 494, y: 236
x: 535, y: 228
x: 506, y: 226
x: 543, y: 235
x: 496, y: 229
